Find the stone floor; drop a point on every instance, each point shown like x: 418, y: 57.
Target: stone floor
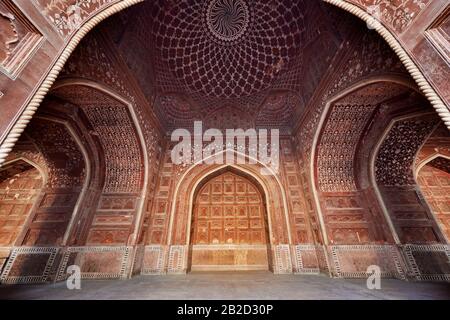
x: 223, y: 286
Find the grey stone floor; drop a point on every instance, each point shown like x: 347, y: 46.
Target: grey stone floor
x: 223, y: 286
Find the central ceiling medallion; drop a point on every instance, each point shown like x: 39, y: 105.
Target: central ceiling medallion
x: 227, y: 20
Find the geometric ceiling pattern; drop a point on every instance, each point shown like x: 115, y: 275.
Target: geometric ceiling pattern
x: 260, y: 59
x: 227, y: 48
x: 211, y: 54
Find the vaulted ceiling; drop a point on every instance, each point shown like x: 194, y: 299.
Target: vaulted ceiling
x: 195, y: 58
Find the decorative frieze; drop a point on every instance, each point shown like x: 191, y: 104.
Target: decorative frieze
x: 67, y: 16
x: 282, y: 259
x: 397, y: 15
x: 19, y: 39
x: 177, y: 260
x: 96, y: 262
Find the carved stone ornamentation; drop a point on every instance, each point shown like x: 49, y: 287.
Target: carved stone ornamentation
x: 398, y: 15
x: 338, y: 145
x: 227, y: 20
x: 91, y: 182
x: 230, y: 230
x: 68, y: 15
x: 393, y: 166
x: 18, y: 39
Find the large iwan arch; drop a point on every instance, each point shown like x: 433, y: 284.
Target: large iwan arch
x: 347, y: 104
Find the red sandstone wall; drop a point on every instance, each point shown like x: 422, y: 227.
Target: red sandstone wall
x: 20, y: 186
x: 111, y: 220
x: 434, y: 181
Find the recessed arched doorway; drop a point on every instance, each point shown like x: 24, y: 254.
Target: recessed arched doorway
x: 229, y: 230
x: 433, y: 178
x: 20, y: 189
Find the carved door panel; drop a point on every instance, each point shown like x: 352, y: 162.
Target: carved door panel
x: 229, y: 230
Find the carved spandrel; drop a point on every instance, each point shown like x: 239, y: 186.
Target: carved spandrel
x: 18, y: 39
x: 8, y: 35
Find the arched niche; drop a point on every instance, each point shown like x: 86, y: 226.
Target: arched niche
x: 392, y: 174
x: 89, y: 22
x: 21, y: 183
x: 433, y: 179
x: 179, y: 232
x: 112, y: 120
x: 347, y: 207
x: 229, y: 227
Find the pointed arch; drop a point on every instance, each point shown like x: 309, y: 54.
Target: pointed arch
x: 319, y: 136
x: 141, y: 144
x: 196, y: 173
x: 26, y: 180
x: 248, y: 251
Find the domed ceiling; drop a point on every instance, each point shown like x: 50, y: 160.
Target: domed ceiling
x: 227, y: 48
x: 193, y: 58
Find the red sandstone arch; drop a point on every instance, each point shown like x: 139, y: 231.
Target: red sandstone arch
x: 247, y: 245
x: 332, y: 160
x: 66, y: 181
x: 431, y: 171
x: 57, y: 111
x: 437, y: 144
x: 74, y: 38
x: 181, y: 214
x: 181, y: 210
x: 100, y: 13
x: 131, y: 156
